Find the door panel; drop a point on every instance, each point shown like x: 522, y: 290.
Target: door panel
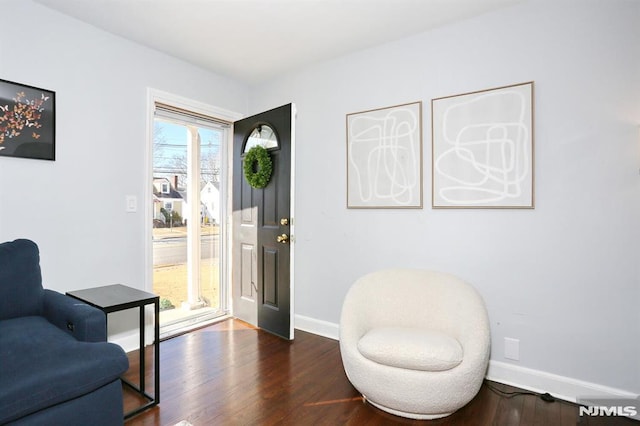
x: 258, y: 224
x: 270, y: 265
x: 247, y: 277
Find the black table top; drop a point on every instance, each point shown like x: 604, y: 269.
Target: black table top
x: 113, y: 296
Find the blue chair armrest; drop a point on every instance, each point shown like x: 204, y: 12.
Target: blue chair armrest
x: 84, y: 322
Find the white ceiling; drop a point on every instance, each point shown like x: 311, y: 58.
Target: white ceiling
x: 255, y: 40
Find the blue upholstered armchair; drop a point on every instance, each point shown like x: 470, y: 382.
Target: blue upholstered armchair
x: 55, y: 364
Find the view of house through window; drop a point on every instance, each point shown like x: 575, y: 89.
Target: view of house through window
x: 187, y: 220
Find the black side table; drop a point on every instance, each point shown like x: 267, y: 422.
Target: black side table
x: 118, y: 297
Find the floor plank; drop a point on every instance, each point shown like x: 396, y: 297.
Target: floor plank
x: 230, y: 373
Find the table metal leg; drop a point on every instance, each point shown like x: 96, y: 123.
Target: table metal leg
x: 142, y: 357
x: 156, y: 350
x: 156, y: 356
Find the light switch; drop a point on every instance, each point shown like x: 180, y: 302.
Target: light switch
x: 132, y: 204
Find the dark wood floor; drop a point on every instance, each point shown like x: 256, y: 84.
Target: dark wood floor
x: 233, y: 374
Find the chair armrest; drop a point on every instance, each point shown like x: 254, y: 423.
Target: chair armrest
x: 84, y: 322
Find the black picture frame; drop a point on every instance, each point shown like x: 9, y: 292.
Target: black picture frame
x: 27, y: 121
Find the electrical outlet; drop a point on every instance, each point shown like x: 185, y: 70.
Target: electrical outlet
x: 512, y: 349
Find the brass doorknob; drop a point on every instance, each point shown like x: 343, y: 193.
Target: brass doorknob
x: 284, y: 238
x: 284, y: 221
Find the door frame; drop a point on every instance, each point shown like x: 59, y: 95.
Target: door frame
x: 153, y: 96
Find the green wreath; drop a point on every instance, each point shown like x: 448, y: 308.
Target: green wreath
x: 258, y: 175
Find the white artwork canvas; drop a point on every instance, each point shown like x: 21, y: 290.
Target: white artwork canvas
x: 384, y: 157
x: 482, y: 146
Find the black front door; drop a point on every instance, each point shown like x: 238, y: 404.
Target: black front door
x: 261, y: 282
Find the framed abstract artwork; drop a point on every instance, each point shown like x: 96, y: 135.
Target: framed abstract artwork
x: 27, y: 121
x: 482, y: 149
x: 384, y: 157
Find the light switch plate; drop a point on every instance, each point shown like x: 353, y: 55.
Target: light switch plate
x: 132, y: 204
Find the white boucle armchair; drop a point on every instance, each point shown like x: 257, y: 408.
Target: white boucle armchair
x: 415, y: 343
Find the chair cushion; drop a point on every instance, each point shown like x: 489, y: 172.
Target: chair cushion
x: 40, y: 366
x: 21, y: 290
x: 411, y: 348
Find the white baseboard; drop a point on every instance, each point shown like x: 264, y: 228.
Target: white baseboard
x: 319, y: 327
x: 561, y: 387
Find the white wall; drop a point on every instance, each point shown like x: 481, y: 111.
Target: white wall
x: 74, y: 208
x: 563, y: 278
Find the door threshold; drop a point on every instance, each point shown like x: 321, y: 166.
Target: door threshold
x: 182, y: 321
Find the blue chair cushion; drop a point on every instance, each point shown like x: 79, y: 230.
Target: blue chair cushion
x: 41, y: 365
x: 21, y: 290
